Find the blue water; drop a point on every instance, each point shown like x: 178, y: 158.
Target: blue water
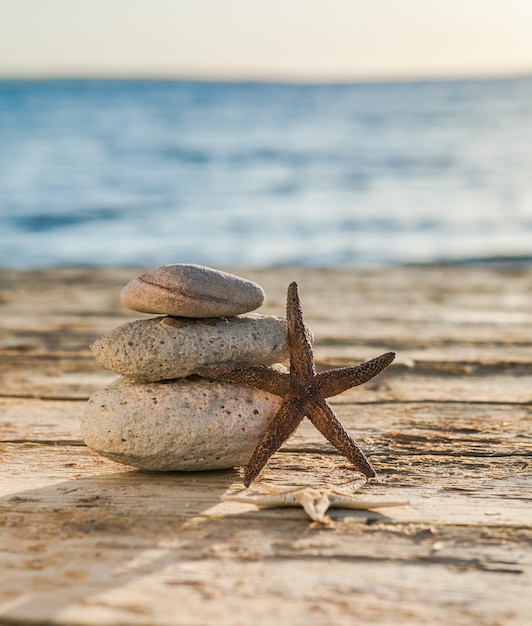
x: 148, y: 172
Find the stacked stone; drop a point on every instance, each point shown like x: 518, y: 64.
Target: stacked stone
x: 158, y: 415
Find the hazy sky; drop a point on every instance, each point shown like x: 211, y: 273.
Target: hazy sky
x: 302, y: 39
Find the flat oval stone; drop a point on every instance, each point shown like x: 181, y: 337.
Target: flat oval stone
x: 190, y: 424
x: 164, y: 348
x: 191, y: 291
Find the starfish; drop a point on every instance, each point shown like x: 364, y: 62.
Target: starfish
x: 315, y: 502
x: 303, y: 392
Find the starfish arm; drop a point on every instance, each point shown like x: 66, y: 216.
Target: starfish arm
x: 333, y: 382
x: 257, y: 376
x: 321, y: 504
x: 347, y: 502
x: 348, y: 489
x: 282, y: 426
x: 315, y: 503
x: 322, y: 416
x: 299, y: 338
x: 283, y: 499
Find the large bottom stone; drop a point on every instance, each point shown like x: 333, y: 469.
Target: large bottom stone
x: 187, y: 424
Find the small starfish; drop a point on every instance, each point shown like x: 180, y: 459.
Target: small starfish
x: 303, y: 392
x: 316, y: 502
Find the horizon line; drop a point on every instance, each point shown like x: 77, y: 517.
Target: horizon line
x: 267, y: 79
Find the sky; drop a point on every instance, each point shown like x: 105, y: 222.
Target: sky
x: 309, y: 40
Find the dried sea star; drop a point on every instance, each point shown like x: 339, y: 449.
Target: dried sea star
x: 314, y: 501
x: 303, y: 392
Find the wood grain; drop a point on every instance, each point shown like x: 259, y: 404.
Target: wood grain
x: 448, y: 427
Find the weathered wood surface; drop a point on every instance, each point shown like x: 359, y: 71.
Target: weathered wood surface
x: 448, y: 427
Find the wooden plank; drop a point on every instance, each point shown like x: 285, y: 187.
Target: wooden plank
x: 84, y: 540
x: 512, y: 386
x: 470, y: 462
x: 126, y: 547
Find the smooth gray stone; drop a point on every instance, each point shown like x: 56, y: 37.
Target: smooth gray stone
x: 163, y: 348
x: 189, y: 424
x: 191, y: 291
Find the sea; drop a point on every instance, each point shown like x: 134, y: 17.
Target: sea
x: 146, y: 172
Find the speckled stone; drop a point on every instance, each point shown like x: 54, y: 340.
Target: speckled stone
x: 190, y: 424
x: 163, y: 348
x: 191, y: 291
